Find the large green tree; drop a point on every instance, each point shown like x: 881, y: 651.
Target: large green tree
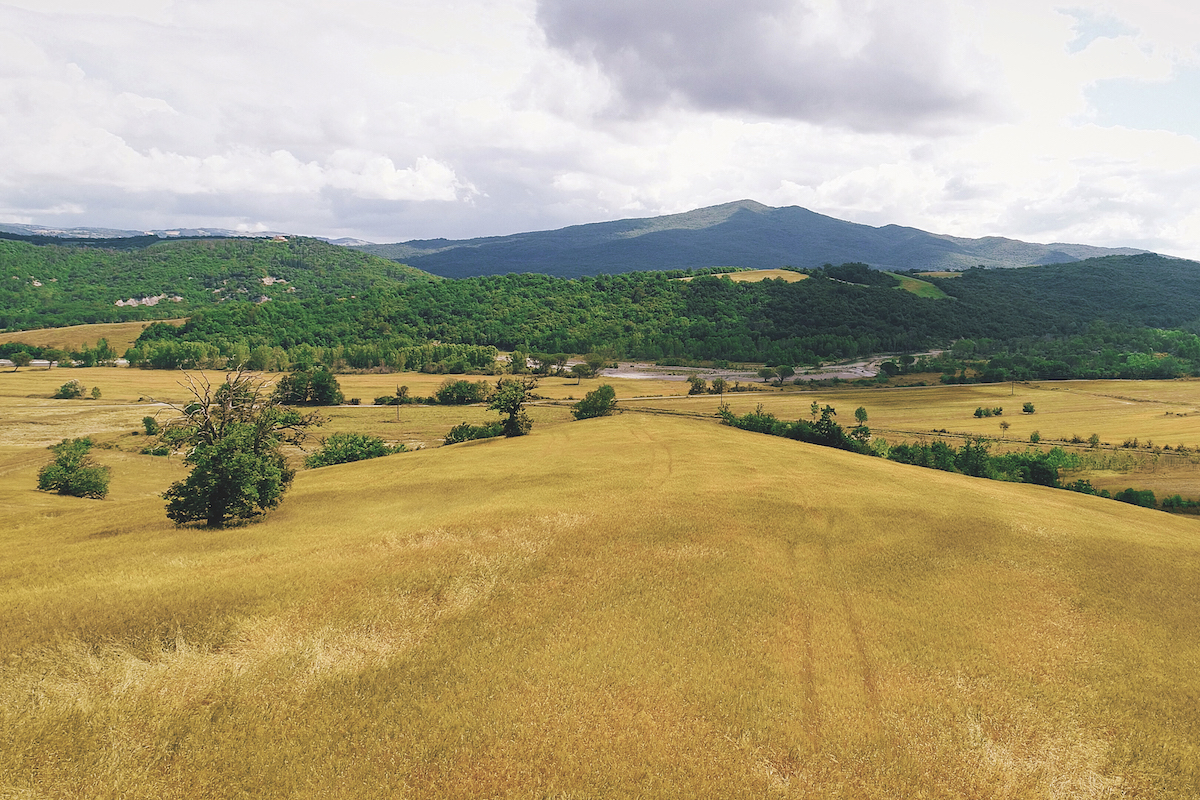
x: 232, y: 436
x: 73, y: 472
x: 509, y: 398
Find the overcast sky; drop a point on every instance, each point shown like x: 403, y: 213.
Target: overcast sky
x: 391, y: 120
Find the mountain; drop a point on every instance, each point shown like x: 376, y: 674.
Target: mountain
x: 742, y: 234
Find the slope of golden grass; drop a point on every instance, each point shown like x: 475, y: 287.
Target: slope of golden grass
x: 756, y: 275
x: 1164, y: 412
x: 120, y: 335
x: 631, y: 606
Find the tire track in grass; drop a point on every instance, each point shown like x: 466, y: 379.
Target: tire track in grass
x: 802, y: 655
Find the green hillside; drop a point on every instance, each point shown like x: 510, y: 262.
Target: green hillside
x: 1085, y: 319
x: 634, y: 606
x: 52, y: 285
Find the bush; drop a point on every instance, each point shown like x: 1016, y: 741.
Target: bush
x: 71, y: 390
x: 461, y: 393
x: 1138, y: 497
x: 1027, y: 408
x: 95, y: 392
x: 315, y: 387
x: 465, y: 432
x: 600, y: 402
x: 151, y: 426
x: 73, y: 472
x: 343, y: 448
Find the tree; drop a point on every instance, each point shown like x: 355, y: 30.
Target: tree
x: 73, y: 472
x: 860, y: 415
x: 767, y: 373
x: 233, y: 436
x: 1027, y: 408
x: 599, y: 402
x: 889, y: 368
x: 719, y: 385
x: 698, y: 385
x: 461, y: 393
x: 20, y: 359
x: 71, y: 390
x: 95, y: 392
x: 343, y: 448
x: 314, y: 387
x: 509, y: 398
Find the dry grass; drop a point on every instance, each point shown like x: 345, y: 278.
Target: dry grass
x: 1153, y: 412
x: 120, y: 335
x: 756, y: 275
x: 631, y: 606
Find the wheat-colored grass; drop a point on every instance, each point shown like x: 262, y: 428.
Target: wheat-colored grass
x: 631, y: 606
x: 120, y: 335
x: 756, y: 275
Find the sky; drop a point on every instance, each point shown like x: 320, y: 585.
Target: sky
x: 391, y: 120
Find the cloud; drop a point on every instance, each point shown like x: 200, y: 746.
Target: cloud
x: 861, y: 64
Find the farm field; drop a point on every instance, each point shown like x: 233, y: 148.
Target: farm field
x: 1154, y: 413
x: 756, y: 275
x: 641, y: 605
x: 919, y: 287
x: 120, y: 335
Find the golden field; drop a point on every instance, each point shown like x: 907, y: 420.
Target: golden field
x: 756, y: 275
x: 120, y: 335
x: 647, y: 605
x: 1155, y: 413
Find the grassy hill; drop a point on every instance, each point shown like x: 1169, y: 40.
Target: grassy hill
x: 632, y: 606
x: 743, y: 233
x: 52, y: 285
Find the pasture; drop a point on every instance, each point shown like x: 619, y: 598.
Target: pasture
x: 919, y: 287
x: 642, y: 605
x: 1157, y: 414
x: 756, y: 275
x: 120, y: 335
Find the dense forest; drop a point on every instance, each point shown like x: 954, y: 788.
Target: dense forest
x: 1119, y: 316
x: 52, y: 285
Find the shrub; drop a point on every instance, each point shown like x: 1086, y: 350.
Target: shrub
x: 1138, y: 497
x: 600, y: 402
x: 461, y: 393
x: 95, y: 392
x: 1027, y: 408
x: 151, y: 426
x: 343, y: 448
x: 71, y: 390
x: 73, y: 472
x: 1035, y: 437
x: 465, y: 432
x: 316, y: 387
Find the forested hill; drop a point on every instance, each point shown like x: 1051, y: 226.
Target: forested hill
x: 742, y: 234
x: 50, y: 285
x: 1077, y: 313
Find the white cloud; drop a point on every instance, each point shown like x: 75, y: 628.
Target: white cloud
x: 402, y: 119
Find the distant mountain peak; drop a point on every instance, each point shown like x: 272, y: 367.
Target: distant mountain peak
x: 742, y: 233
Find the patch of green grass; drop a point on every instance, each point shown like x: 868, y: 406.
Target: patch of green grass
x: 919, y: 287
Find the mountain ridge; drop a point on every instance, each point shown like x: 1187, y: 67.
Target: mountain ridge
x: 744, y: 233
